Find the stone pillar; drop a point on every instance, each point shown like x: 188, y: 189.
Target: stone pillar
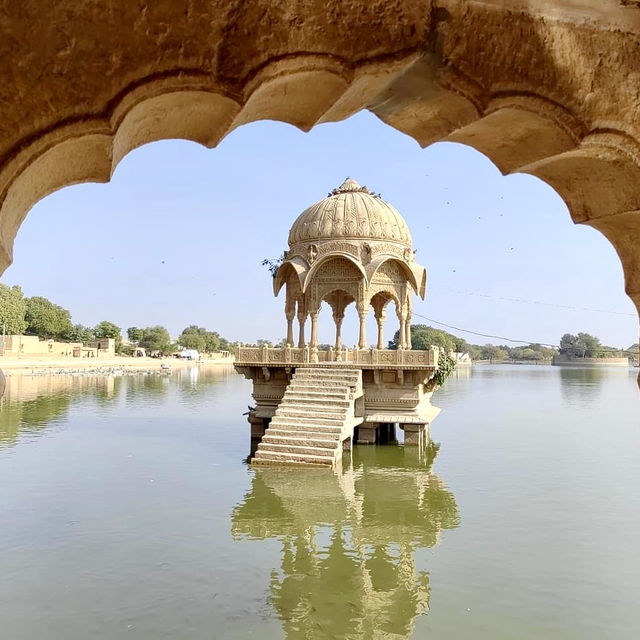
x: 362, y: 342
x: 402, y: 329
x: 338, y: 320
x: 3, y: 383
x: 367, y: 433
x: 407, y: 334
x: 289, y: 330
x: 380, y: 319
x: 415, y: 434
x: 302, y: 318
x: 313, y: 342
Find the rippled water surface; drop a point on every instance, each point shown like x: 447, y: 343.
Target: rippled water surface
x: 127, y: 511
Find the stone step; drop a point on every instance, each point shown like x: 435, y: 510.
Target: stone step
x: 296, y: 411
x: 269, y: 462
x: 273, y: 457
x: 306, y: 428
x: 321, y: 375
x: 300, y: 399
x: 296, y: 392
x: 317, y: 421
x: 310, y: 422
x: 303, y: 438
x: 317, y: 388
x: 326, y: 374
x: 296, y: 449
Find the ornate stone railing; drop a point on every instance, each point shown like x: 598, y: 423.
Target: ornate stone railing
x: 295, y: 355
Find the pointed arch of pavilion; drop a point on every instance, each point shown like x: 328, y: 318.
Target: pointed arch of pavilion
x: 294, y: 267
x: 315, y: 267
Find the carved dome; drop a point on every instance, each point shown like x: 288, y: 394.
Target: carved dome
x: 350, y: 212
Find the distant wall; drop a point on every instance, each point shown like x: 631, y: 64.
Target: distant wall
x: 25, y: 346
x: 566, y: 361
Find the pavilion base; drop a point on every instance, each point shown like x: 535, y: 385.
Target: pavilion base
x: 394, y: 395
x: 380, y: 427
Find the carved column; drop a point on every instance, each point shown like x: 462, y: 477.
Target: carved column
x: 338, y: 320
x: 402, y: 330
x: 381, y: 317
x: 290, y: 314
x: 302, y: 318
x: 362, y: 342
x: 407, y: 337
x: 313, y: 343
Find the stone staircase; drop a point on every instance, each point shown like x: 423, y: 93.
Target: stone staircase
x: 316, y: 414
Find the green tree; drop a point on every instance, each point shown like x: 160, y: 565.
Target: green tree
x: 424, y: 336
x: 46, y: 319
x: 225, y: 345
x: 193, y: 337
x: 80, y: 333
x: 213, y: 341
x: 13, y: 308
x: 156, y: 339
x: 135, y: 334
x: 107, y: 329
x: 584, y: 345
x: 493, y: 353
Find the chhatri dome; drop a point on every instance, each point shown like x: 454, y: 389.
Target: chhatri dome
x: 350, y: 247
x: 350, y: 211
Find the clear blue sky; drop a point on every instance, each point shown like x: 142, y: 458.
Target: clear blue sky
x: 178, y: 235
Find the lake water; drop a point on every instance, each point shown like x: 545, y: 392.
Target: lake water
x: 127, y: 510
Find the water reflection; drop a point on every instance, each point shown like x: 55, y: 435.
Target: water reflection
x: 30, y: 403
x: 582, y: 383
x: 348, y: 567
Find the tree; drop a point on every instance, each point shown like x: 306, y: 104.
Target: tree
x: 273, y: 264
x: 584, y: 345
x: 80, y: 333
x: 135, y: 334
x: 47, y: 320
x: 13, y: 308
x: 424, y: 336
x: 107, y: 329
x: 156, y: 339
x: 193, y: 337
x: 493, y: 353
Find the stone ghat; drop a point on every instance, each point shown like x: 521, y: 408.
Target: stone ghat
x: 316, y: 416
x: 345, y: 357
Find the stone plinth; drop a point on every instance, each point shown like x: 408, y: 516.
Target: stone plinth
x: 397, y: 386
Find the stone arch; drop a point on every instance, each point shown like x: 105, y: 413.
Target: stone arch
x: 290, y: 272
x: 388, y: 272
x: 350, y: 267
x: 83, y: 85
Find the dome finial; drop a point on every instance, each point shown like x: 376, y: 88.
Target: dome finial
x: 350, y: 186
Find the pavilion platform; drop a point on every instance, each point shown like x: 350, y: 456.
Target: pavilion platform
x: 397, y: 386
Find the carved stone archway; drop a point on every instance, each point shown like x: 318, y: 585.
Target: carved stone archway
x: 545, y: 87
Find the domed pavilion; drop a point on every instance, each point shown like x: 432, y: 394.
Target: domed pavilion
x: 352, y: 247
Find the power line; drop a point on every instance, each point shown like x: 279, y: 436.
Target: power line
x: 540, y: 303
x: 489, y: 335
x: 484, y: 335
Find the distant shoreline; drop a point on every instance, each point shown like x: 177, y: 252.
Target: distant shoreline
x: 39, y: 365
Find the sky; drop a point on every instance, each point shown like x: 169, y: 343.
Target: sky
x: 178, y: 235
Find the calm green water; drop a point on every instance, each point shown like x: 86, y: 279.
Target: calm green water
x: 127, y: 511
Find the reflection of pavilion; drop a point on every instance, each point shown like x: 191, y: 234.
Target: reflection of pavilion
x: 350, y: 250
x: 349, y: 540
